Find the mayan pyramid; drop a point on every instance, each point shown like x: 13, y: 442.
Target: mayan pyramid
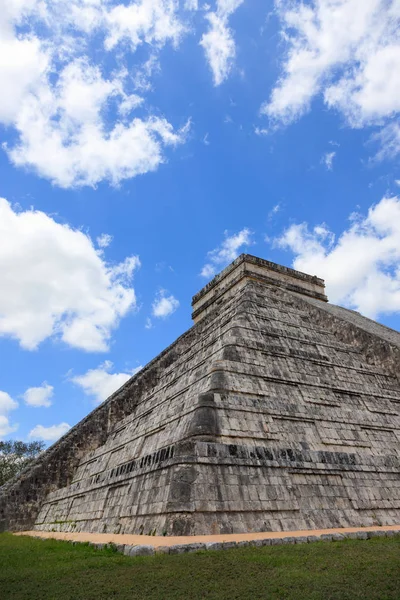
x: 275, y: 411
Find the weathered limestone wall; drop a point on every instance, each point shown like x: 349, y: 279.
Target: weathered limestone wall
x: 230, y: 281
x: 21, y: 499
x: 277, y: 411
x: 305, y: 430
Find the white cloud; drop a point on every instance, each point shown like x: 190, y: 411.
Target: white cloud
x: 39, y: 396
x: 218, y: 43
x: 327, y: 160
x: 55, y: 283
x: 100, y: 383
x: 388, y: 139
x: 274, y: 211
x: 191, y: 5
x: 74, y: 123
x: 164, y: 305
x: 129, y: 103
x: 23, y: 63
x: 63, y: 135
x: 142, y: 75
x: 148, y: 324
x: 104, y: 240
x: 361, y: 267
x: 348, y: 51
x: 7, y: 404
x: 145, y: 21
x: 5, y: 426
x: 226, y: 252
x: 49, y: 434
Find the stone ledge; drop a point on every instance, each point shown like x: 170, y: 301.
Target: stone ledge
x: 150, y: 550
x: 260, y: 262
x: 251, y: 268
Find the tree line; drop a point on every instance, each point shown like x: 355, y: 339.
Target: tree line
x: 15, y: 456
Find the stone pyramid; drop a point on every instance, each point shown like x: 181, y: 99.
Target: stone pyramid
x: 275, y: 411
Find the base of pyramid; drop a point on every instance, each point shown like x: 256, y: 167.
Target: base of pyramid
x: 199, y: 488
x: 136, y: 545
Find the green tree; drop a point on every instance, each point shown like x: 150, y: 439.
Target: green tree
x: 15, y: 455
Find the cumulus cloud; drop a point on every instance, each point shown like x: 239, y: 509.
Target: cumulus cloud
x: 153, y: 22
x: 55, y: 283
x: 7, y: 404
x: 39, y: 396
x: 75, y: 123
x: 226, y: 252
x: 164, y: 305
x: 49, y: 434
x: 24, y: 60
x: 361, y: 266
x: 218, y: 42
x: 63, y: 135
x: 346, y: 51
x: 100, y: 383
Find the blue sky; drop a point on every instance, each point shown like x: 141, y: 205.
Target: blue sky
x: 147, y: 143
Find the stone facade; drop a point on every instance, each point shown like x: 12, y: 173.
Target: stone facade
x: 275, y: 411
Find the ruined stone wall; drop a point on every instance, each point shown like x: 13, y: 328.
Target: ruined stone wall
x: 297, y: 429
x: 276, y: 411
x: 168, y: 374
x: 246, y: 267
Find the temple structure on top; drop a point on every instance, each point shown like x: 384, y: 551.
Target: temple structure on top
x: 276, y: 411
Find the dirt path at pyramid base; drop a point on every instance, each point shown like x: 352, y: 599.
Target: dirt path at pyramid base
x: 132, y: 540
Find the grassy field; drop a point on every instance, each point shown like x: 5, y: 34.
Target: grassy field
x: 33, y: 569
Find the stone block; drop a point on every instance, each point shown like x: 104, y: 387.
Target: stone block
x: 161, y: 549
x: 98, y: 546
x: 142, y: 550
x: 266, y: 542
x: 228, y: 545
x: 214, y: 546
x: 183, y: 548
x: 391, y: 532
x: 256, y: 543
x: 376, y: 533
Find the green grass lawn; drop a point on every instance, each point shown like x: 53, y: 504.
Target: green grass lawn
x: 51, y: 570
